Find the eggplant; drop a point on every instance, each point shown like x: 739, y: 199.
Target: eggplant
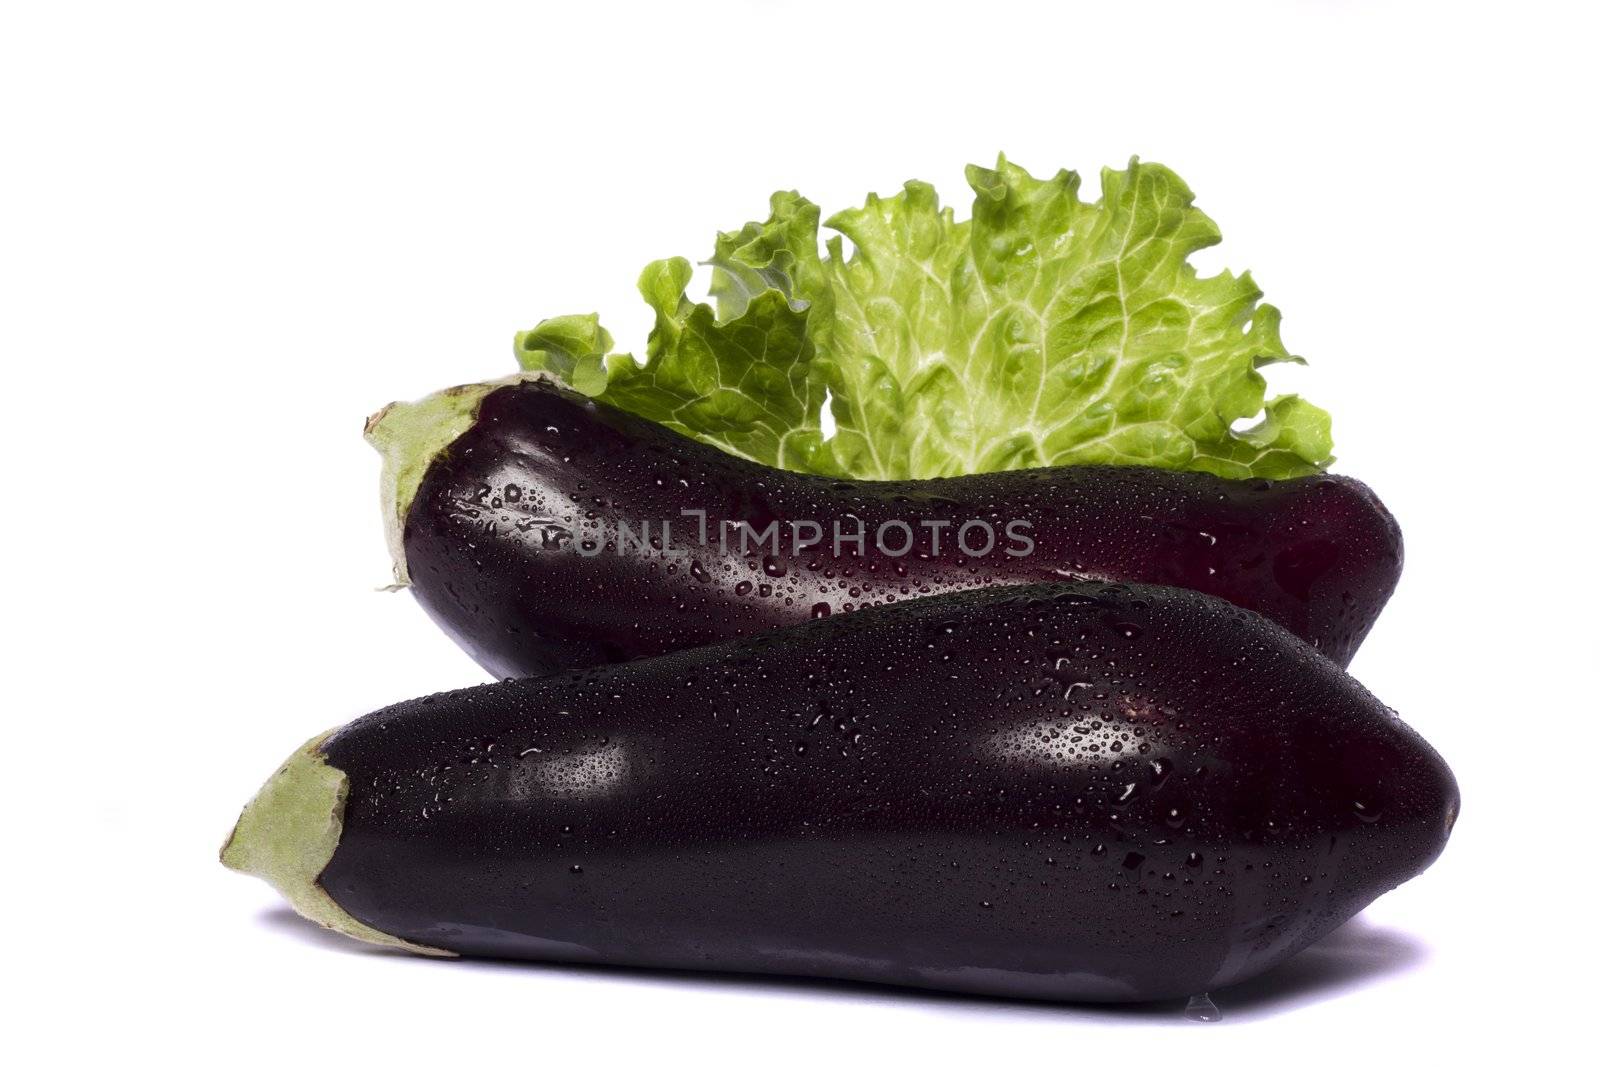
x: 546, y: 531
x: 1086, y: 792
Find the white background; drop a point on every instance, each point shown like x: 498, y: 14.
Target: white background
x: 230, y: 232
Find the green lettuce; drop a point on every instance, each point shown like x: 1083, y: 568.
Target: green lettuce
x: 1042, y: 330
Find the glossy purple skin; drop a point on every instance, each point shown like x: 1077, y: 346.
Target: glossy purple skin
x: 1082, y: 792
x: 492, y: 539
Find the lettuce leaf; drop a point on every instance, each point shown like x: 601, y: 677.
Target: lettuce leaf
x: 1042, y: 330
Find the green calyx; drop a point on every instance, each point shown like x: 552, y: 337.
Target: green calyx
x: 410, y: 436
x: 289, y: 832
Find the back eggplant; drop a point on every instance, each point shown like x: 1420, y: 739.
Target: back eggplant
x: 545, y: 531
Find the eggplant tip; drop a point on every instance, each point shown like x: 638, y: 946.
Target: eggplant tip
x: 410, y: 436
x: 287, y: 834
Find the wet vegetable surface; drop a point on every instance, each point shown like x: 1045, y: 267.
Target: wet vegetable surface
x: 513, y: 539
x: 1093, y: 792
